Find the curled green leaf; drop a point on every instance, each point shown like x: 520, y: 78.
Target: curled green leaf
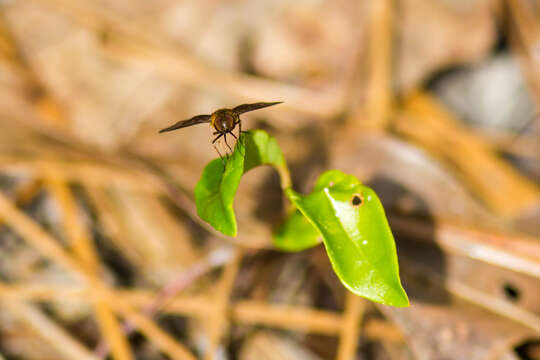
x: 214, y: 193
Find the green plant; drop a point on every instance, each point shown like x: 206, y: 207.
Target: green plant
x: 345, y: 215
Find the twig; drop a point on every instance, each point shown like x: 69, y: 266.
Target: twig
x: 217, y: 321
x: 287, y: 317
x: 354, y: 310
x: 383, y: 330
x: 249, y: 312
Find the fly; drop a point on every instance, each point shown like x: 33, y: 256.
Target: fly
x: 223, y: 121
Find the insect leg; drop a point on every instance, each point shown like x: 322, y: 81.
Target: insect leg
x: 226, y: 143
x: 220, y: 156
x: 216, y: 139
x: 215, y: 147
x: 240, y: 127
x: 239, y: 144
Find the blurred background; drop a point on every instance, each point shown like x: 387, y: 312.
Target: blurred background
x: 434, y: 103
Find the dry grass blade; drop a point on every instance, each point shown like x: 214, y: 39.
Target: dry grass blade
x: 32, y: 233
x: 505, y: 191
x: 36, y: 236
x: 526, y: 146
x: 150, y: 229
x: 107, y: 200
x: 514, y: 252
x: 109, y: 218
x: 248, y: 312
x: 525, y: 41
x: 97, y: 177
x: 168, y: 293
x: 493, y: 304
x: 89, y: 173
x: 26, y: 193
x: 142, y: 47
x: 80, y: 241
x: 163, y: 341
x: 379, y: 100
x: 7, y: 50
x: 47, y: 329
x: 217, y: 324
x: 498, y: 306
x: 287, y: 317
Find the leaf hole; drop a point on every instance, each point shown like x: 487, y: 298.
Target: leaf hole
x: 357, y: 200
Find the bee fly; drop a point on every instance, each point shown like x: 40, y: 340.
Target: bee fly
x: 223, y: 121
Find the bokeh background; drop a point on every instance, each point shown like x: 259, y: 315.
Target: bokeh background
x: 434, y: 103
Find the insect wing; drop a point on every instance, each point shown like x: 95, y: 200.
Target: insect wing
x: 240, y: 109
x: 199, y: 119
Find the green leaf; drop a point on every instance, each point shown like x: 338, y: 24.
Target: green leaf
x: 214, y: 193
x: 296, y: 234
x: 356, y: 234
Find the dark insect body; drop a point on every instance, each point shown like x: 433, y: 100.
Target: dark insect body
x: 223, y: 121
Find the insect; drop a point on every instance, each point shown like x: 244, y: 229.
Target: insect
x: 223, y: 121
